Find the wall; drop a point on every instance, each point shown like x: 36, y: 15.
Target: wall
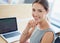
x: 22, y: 12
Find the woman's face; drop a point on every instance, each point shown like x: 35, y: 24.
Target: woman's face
x: 38, y: 12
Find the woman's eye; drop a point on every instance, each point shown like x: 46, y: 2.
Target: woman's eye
x: 33, y: 9
x: 40, y: 10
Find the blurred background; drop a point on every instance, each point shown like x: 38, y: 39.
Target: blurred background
x: 22, y: 10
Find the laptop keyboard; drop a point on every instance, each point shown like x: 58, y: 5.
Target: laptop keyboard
x: 11, y: 34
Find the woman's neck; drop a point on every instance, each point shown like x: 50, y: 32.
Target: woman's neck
x: 43, y: 24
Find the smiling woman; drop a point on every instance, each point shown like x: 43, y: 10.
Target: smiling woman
x: 38, y: 29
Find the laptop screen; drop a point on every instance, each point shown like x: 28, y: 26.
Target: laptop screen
x: 8, y: 25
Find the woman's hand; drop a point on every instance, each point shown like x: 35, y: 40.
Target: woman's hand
x: 27, y: 32
x: 31, y: 24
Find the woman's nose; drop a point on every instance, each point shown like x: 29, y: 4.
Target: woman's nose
x: 35, y: 15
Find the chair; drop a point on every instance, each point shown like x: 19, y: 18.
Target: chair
x: 57, y: 40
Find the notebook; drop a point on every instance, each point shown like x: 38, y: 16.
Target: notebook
x: 9, y: 30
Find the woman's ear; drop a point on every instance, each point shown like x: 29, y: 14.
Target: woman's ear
x: 47, y: 13
x: 47, y: 10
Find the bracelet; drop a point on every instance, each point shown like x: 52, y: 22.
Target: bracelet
x: 24, y: 33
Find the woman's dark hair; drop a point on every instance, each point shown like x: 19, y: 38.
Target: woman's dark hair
x: 43, y: 2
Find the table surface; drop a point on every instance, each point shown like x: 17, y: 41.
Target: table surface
x: 3, y: 41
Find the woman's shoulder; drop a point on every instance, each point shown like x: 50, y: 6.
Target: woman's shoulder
x: 49, y: 36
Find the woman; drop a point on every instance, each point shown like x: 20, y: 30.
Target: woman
x: 38, y: 29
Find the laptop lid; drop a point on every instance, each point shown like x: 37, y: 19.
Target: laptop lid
x: 8, y: 25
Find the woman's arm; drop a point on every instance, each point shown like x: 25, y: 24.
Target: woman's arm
x: 24, y: 35
x: 48, y: 37
x: 28, y: 31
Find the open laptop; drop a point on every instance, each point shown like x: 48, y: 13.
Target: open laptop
x: 9, y: 30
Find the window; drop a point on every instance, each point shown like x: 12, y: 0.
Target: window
x: 55, y: 14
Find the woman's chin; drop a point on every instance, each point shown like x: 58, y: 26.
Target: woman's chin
x: 37, y: 21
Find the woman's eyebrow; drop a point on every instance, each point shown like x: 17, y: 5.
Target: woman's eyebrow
x: 33, y: 9
x: 41, y: 9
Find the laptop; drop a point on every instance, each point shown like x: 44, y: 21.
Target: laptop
x: 9, y: 30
